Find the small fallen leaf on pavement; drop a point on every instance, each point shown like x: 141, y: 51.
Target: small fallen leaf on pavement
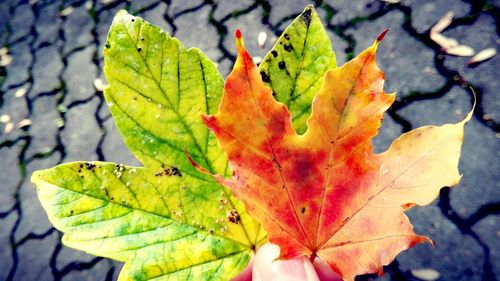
x: 443, y: 41
x: 443, y: 23
x: 106, y: 2
x: 427, y: 274
x: 482, y: 56
x: 8, y: 127
x: 4, y: 51
x: 66, y: 11
x: 5, y: 58
x: 5, y: 118
x: 99, y: 85
x: 261, y: 39
x: 391, y: 1
x: 23, y: 123
x: 20, y: 93
x: 461, y: 51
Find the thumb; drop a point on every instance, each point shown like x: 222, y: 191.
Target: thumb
x: 267, y: 268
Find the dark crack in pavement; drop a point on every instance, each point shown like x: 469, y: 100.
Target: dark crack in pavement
x: 51, y: 112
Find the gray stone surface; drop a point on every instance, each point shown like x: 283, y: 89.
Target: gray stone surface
x: 55, y: 59
x: 407, y: 64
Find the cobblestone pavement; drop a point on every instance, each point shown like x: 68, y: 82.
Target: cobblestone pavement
x: 52, y: 113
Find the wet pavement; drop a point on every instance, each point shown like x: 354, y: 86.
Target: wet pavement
x: 52, y: 112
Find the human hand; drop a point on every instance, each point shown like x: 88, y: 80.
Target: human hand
x: 265, y: 267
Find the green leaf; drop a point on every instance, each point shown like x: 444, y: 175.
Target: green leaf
x: 166, y: 220
x: 296, y: 66
x: 164, y: 224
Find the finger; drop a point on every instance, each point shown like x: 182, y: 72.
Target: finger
x: 324, y: 271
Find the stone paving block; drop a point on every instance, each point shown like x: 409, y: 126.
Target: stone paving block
x: 9, y: 178
x: 47, y: 24
x: 33, y: 259
x: 82, y: 72
x: 18, y: 70
x: 139, y: 5
x: 408, y: 64
x: 21, y: 21
x: 46, y: 70
x: 44, y: 128
x: 81, y: 132
x: 8, y: 223
x: 281, y: 9
x: 77, y: 30
x: 227, y: 7
x: 4, y: 10
x: 182, y: 6
x: 489, y: 232
x: 349, y: 10
x: 197, y: 33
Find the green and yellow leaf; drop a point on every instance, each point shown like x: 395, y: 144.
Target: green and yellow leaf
x: 165, y: 220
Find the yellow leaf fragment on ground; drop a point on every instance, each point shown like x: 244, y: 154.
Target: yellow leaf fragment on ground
x: 427, y: 274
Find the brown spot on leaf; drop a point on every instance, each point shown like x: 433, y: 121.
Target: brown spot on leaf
x: 233, y: 217
x: 306, y: 16
x: 264, y: 76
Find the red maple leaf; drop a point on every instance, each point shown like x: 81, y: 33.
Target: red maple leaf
x: 326, y: 193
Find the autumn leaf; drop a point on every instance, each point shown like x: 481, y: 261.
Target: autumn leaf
x: 164, y: 220
x: 325, y: 193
